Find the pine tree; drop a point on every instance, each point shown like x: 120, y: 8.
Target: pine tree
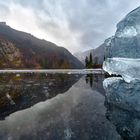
x: 86, y: 62
x: 90, y: 58
x: 90, y: 61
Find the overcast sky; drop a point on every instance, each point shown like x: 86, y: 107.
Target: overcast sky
x: 77, y: 25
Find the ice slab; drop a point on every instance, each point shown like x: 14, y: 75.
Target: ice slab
x: 128, y: 68
x: 121, y: 94
x: 126, y: 41
x: 123, y: 106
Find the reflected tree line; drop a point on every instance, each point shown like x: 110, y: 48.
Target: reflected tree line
x: 96, y: 82
x: 89, y: 79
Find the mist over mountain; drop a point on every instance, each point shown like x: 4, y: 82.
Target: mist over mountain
x: 97, y: 54
x: 22, y: 50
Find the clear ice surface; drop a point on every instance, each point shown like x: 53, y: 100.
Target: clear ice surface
x: 128, y: 68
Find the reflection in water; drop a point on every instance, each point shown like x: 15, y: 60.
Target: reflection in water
x: 123, y: 106
x: 89, y: 79
x: 22, y: 91
x: 96, y: 82
x: 78, y: 114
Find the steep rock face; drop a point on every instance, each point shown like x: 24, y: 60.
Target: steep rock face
x: 126, y: 42
x: 26, y: 51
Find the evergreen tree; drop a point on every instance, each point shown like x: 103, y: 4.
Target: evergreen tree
x: 90, y: 61
x: 86, y: 62
x: 90, y: 58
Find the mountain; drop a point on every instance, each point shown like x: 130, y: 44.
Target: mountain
x: 22, y: 50
x: 82, y: 55
x: 98, y: 54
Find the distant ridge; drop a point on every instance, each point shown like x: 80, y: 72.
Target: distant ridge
x: 23, y: 50
x: 98, y: 54
x: 2, y: 23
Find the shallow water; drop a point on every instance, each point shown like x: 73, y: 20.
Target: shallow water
x: 54, y: 107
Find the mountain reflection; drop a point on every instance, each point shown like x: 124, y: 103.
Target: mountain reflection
x: 22, y: 91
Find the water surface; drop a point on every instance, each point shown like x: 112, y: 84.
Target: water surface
x: 54, y: 107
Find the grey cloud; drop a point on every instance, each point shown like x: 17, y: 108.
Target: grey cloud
x: 81, y: 24
x: 4, y: 10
